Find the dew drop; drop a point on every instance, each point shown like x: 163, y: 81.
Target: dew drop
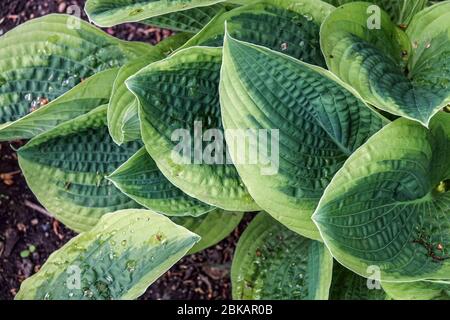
x: 66, y: 82
x: 88, y: 293
x: 93, y: 59
x: 113, y: 63
x: 109, y: 279
x: 131, y: 265
x: 192, y: 92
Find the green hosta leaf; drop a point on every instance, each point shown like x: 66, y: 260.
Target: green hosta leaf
x: 418, y: 290
x: 281, y: 25
x: 172, y: 43
x: 192, y: 20
x: 272, y: 262
x: 107, y: 13
x: 118, y: 259
x: 131, y: 126
x: 389, y: 206
x: 400, y: 11
x: 81, y: 99
x: 212, y: 227
x: 66, y: 168
x: 141, y: 180
x: 347, y: 285
x: 319, y: 121
x: 42, y: 59
x: 429, y: 33
x: 181, y: 93
x: 405, y: 74
x: 123, y: 119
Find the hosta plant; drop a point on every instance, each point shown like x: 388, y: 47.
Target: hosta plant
x: 354, y: 94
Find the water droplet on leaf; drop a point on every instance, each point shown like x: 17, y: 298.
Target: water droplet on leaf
x: 131, y: 265
x: 88, y: 293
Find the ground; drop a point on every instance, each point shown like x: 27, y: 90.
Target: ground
x: 28, y: 236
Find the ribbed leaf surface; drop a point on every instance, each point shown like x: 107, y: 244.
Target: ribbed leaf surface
x: 42, y: 59
x: 118, y: 259
x: 141, y: 180
x: 191, y: 20
x: 123, y: 119
x: 400, y: 11
x: 272, y: 262
x: 176, y: 94
x: 389, y: 205
x: 281, y: 25
x: 319, y: 119
x: 84, y: 97
x: 66, y: 169
x: 405, y: 74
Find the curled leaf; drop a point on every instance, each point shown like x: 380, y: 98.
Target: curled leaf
x: 388, y: 206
